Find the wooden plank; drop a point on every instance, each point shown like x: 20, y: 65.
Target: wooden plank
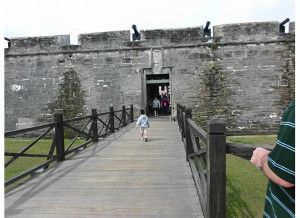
x: 119, y: 176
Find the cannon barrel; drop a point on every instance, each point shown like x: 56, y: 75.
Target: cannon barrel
x: 207, y: 25
x: 134, y: 28
x: 206, y: 30
x: 8, y: 40
x: 284, y: 22
x: 136, y: 35
x: 282, y: 27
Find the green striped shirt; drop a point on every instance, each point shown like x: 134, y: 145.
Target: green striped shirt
x: 280, y: 201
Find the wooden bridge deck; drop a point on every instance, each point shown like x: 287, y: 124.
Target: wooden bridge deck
x: 119, y: 176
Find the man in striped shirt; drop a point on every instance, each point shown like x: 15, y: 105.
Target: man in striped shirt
x: 279, y: 167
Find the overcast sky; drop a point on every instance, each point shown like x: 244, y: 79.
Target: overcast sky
x: 24, y: 18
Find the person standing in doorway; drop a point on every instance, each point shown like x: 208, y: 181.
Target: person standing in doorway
x: 143, y: 123
x: 279, y: 166
x: 155, y: 106
x: 165, y: 105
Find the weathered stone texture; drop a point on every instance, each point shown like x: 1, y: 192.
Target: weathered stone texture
x: 292, y: 27
x: 172, y: 37
x: 247, y: 31
x: 38, y: 44
x: 107, y: 40
x: 257, y: 60
x: 260, y: 84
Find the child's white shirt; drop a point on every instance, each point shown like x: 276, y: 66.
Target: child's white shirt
x: 143, y: 121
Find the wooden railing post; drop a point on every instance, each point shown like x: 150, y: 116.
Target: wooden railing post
x: 94, y: 125
x: 181, y: 117
x: 182, y: 122
x: 216, y: 169
x: 188, y: 140
x: 111, y: 120
x: 179, y: 120
x: 177, y: 112
x: 124, y: 116
x: 59, y: 136
x: 131, y: 112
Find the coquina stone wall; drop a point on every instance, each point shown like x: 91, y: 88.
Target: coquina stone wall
x: 257, y: 68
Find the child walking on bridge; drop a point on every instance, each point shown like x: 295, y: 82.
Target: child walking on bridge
x: 143, y: 122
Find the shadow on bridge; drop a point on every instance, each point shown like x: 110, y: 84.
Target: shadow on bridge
x: 118, y: 176
x: 44, y: 181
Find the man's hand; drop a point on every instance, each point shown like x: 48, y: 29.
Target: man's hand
x: 259, y: 157
x: 260, y: 160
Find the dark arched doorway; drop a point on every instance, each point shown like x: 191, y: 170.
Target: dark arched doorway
x: 157, y: 85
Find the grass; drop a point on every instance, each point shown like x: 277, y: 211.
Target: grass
x: 245, y: 185
x: 25, y: 163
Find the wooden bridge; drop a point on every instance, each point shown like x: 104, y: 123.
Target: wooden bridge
x: 118, y: 176
x: 179, y: 172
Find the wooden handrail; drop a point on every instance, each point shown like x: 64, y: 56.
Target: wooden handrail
x: 197, y: 130
x: 244, y: 151
x: 206, y: 154
x: 59, y: 123
x: 16, y: 132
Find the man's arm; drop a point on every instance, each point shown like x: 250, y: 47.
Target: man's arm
x: 260, y: 160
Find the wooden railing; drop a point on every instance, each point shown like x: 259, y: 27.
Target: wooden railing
x: 88, y: 129
x: 206, y: 153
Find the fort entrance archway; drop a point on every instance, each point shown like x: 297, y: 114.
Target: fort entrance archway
x: 157, y: 85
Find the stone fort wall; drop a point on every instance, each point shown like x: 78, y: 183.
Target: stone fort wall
x: 258, y: 61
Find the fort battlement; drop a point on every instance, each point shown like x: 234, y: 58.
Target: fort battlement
x: 38, y: 44
x: 163, y: 37
x: 249, y: 32
x: 239, y: 32
x: 104, y: 40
